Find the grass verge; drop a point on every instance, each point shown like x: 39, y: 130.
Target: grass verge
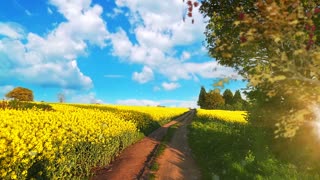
x: 231, y: 150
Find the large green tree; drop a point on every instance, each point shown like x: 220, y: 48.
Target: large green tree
x: 21, y: 94
x: 214, y: 100
x: 275, y: 46
x: 202, y: 97
x: 227, y: 96
x: 237, y: 97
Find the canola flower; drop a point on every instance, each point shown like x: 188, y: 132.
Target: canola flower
x: 63, y: 144
x: 147, y: 118
x: 223, y: 115
x: 159, y: 114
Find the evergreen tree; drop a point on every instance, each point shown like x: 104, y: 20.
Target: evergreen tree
x: 202, y: 98
x: 237, y: 101
x: 228, y: 96
x: 237, y: 97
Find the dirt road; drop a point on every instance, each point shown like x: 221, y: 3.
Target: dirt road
x: 132, y: 162
x: 177, y: 163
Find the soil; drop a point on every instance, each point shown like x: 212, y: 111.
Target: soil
x: 132, y: 162
x: 176, y: 162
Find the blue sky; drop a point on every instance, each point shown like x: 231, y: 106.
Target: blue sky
x: 135, y: 52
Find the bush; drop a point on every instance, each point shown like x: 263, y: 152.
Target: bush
x: 16, y: 104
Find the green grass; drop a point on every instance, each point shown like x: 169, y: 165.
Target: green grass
x: 227, y: 150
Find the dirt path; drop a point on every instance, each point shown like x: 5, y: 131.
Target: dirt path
x: 132, y: 161
x: 176, y: 162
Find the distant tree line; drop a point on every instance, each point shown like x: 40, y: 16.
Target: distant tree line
x: 227, y: 101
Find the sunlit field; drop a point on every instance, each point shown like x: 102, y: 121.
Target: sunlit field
x: 70, y: 140
x: 227, y: 147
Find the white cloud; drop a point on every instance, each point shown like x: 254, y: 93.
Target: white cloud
x: 4, y: 90
x: 156, y: 88
x: 113, y: 76
x: 51, y: 59
x: 136, y: 102
x: 11, y: 30
x: 115, y: 12
x: 145, y: 76
x: 170, y: 86
x: 73, y: 96
x: 121, y: 44
x: 49, y: 10
x: 166, y: 102
x: 28, y: 12
x: 185, y: 56
x: 158, y: 28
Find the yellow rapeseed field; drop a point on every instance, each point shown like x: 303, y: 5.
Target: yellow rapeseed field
x: 228, y: 116
x: 67, y: 142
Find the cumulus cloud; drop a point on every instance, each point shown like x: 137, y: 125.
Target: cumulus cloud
x: 166, y: 102
x: 115, y: 12
x: 11, y: 30
x: 49, y: 10
x: 114, y: 76
x: 185, y: 56
x: 51, y: 59
x: 74, y: 96
x: 145, y: 76
x: 137, y: 102
x: 158, y: 30
x: 4, y: 90
x: 170, y: 86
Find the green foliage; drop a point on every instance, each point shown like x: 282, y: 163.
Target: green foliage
x: 19, y: 105
x: 228, y: 101
x: 214, y: 100
x: 228, y: 96
x: 230, y: 150
x: 21, y: 94
x: 275, y: 46
x: 237, y: 97
x: 202, y: 97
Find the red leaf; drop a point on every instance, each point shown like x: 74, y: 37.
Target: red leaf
x: 243, y: 39
x: 317, y: 10
x: 313, y: 28
x: 241, y: 16
x: 190, y: 9
x: 308, y: 14
x: 310, y: 42
x: 190, y: 14
x: 189, y: 3
x: 311, y: 35
x: 195, y: 4
x: 307, y: 27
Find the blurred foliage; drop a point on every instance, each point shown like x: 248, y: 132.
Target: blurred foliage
x: 275, y: 46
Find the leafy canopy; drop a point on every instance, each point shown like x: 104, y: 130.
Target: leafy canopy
x: 21, y: 94
x: 275, y: 46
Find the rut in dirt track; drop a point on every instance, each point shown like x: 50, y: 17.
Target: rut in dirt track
x: 131, y: 163
x: 177, y: 163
